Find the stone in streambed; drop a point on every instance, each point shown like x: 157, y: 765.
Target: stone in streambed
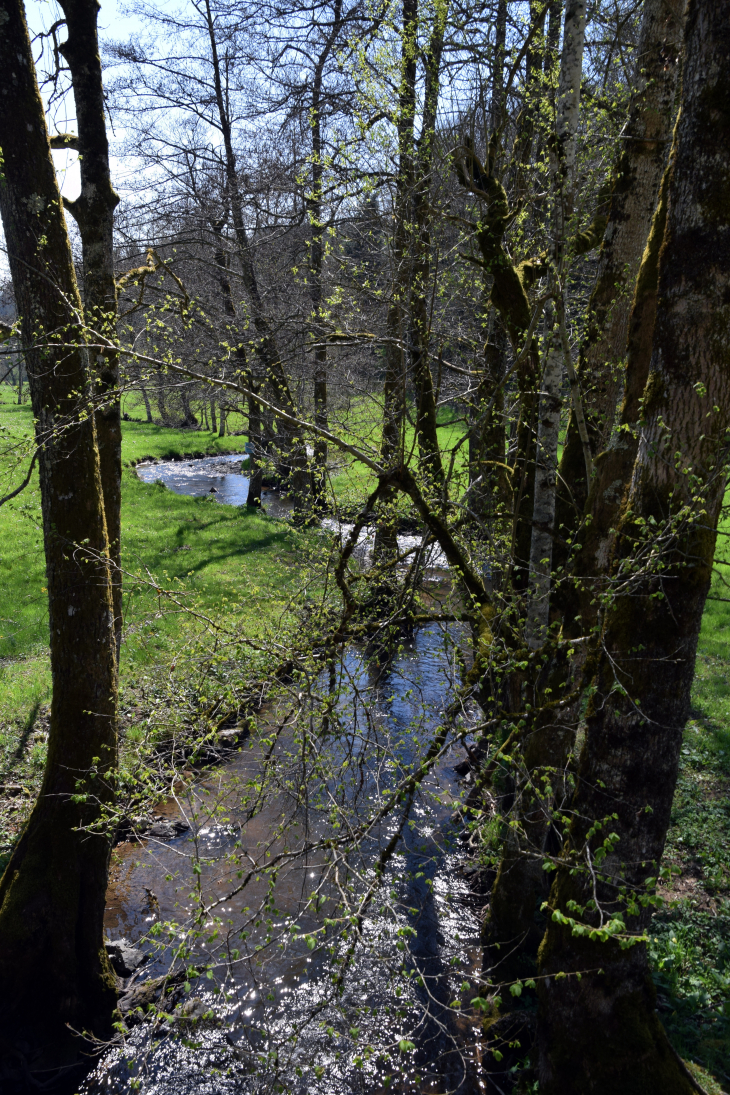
x: 124, y: 957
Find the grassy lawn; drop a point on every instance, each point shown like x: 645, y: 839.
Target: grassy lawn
x: 185, y: 560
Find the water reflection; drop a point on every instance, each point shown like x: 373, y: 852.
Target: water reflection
x: 285, y: 1013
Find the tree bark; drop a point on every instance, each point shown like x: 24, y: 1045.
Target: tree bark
x: 394, y: 383
x: 510, y: 928
x: 316, y: 258
x: 53, y: 966
x: 255, y: 436
x: 638, y: 173
x: 426, y: 424
x: 543, y: 507
x: 489, y: 486
x: 93, y: 211
x: 601, y: 1033
x: 147, y: 407
x: 395, y: 371
x: 563, y: 185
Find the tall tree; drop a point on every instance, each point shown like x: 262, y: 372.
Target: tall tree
x: 599, y: 1032
x: 93, y: 211
x: 53, y: 966
x: 637, y: 175
x: 548, y: 428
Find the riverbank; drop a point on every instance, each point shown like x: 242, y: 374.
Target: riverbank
x: 197, y: 574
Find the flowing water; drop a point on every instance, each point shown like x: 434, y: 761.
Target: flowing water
x: 223, y: 478
x: 288, y: 1001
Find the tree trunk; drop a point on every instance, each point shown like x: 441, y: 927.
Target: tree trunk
x: 161, y: 403
x: 53, y: 966
x: 543, y: 507
x: 255, y: 437
x: 426, y: 427
x: 581, y: 598
x: 510, y: 928
x: 490, y: 489
x: 496, y: 105
x: 292, y: 448
x: 189, y: 420
x: 638, y: 174
x: 394, y: 383
x: 93, y: 211
x: 563, y: 185
x: 601, y: 1033
x: 316, y: 258
x: 148, y: 409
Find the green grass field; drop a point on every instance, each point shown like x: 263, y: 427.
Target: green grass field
x: 211, y: 559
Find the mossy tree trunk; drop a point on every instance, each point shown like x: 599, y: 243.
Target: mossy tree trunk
x: 508, y: 294
x: 93, y: 211
x: 600, y: 1033
x: 490, y: 489
x: 642, y: 158
x: 550, y: 404
x: 510, y: 931
x: 395, y: 368
x: 53, y: 967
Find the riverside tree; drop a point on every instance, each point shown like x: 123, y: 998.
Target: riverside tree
x: 52, y: 959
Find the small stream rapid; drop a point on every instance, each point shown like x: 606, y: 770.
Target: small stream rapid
x: 288, y: 1001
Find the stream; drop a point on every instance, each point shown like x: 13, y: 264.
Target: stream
x: 286, y: 1000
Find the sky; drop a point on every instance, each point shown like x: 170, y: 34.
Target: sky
x: 114, y: 23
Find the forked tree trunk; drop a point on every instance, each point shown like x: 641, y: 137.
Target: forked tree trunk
x: 600, y: 1033
x: 53, y: 967
x: 589, y: 572
x: 644, y: 142
x: 93, y: 211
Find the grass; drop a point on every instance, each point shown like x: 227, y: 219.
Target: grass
x: 185, y: 559
x: 690, y: 946
x: 351, y: 481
